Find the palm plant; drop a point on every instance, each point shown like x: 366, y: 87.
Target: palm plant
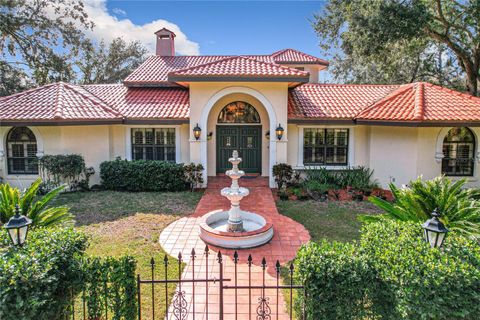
x: 458, y: 206
x: 33, y: 206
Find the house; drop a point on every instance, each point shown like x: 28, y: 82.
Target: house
x: 238, y: 103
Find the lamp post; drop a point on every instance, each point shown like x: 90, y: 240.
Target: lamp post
x: 279, y: 131
x: 434, y: 230
x: 17, y: 227
x: 197, y: 131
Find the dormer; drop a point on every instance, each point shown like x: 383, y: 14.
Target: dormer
x: 165, y: 42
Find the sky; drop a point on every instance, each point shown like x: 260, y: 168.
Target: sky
x: 211, y: 27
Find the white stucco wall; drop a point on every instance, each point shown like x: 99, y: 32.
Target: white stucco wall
x: 396, y: 154
x: 95, y: 143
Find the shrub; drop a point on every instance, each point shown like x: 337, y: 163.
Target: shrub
x: 35, y: 279
x: 193, y: 175
x: 140, y: 175
x: 33, y: 206
x: 392, y: 273
x: 64, y: 169
x: 316, y: 189
x: 459, y: 209
x: 111, y: 283
x: 321, y: 175
x: 282, y: 173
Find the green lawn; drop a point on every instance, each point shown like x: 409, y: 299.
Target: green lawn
x: 121, y: 223
x: 332, y: 220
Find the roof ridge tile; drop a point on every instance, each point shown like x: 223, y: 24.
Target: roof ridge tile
x: 419, y: 101
x: 102, y: 105
x: 274, y: 65
x: 389, y: 96
x: 58, y: 112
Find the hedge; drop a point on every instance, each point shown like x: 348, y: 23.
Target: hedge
x: 35, y: 279
x: 391, y: 274
x: 38, y: 279
x: 111, y: 282
x: 142, y: 175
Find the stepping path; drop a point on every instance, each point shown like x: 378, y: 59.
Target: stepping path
x: 182, y: 236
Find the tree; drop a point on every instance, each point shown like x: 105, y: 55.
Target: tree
x: 422, y: 39
x: 110, y: 65
x: 12, y: 79
x: 42, y: 36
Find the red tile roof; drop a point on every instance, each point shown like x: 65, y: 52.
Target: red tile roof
x: 154, y: 71
x: 144, y: 103
x: 333, y: 101
x: 292, y: 56
x: 412, y: 103
x: 56, y: 102
x: 238, y: 67
x: 423, y: 102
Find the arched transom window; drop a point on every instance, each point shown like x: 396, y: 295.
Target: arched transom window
x: 238, y: 112
x: 22, y: 151
x: 458, y: 152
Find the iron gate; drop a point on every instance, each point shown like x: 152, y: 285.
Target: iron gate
x: 184, y: 305
x: 179, y: 306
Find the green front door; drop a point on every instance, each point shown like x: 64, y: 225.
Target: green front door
x: 244, y: 138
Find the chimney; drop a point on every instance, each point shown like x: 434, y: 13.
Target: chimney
x: 165, y: 42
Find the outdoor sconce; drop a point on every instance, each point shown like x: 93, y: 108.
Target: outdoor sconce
x: 210, y: 135
x: 279, y: 132
x: 267, y: 135
x: 17, y: 227
x: 434, y: 230
x: 196, y: 132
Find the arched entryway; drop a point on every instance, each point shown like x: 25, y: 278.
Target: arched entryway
x: 208, y: 118
x: 239, y: 128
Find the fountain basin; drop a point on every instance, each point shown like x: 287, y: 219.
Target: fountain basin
x: 214, y: 230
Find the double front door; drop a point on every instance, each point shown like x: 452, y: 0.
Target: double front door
x: 244, y: 138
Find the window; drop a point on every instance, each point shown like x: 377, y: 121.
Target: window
x: 238, y: 112
x: 458, y: 152
x: 325, y: 146
x: 22, y: 151
x: 153, y: 144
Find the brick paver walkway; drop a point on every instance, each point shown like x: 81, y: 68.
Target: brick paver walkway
x: 182, y: 236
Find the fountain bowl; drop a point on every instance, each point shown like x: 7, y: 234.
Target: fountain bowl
x: 214, y: 230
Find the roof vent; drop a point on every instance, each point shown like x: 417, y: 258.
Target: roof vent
x: 165, y: 42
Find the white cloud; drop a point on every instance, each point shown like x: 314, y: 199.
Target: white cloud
x: 119, y: 12
x: 108, y: 27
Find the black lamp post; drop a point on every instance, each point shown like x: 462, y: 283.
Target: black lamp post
x: 434, y: 230
x: 197, y: 131
x: 17, y: 227
x: 279, y: 131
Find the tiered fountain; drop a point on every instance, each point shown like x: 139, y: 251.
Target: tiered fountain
x: 235, y: 228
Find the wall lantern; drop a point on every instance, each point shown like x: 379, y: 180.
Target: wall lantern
x: 196, y: 132
x: 267, y: 135
x: 434, y: 230
x: 279, y: 132
x: 210, y: 135
x: 17, y: 227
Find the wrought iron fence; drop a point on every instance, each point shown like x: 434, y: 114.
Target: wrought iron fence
x: 185, y: 304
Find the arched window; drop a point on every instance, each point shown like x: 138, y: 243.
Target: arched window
x: 22, y: 151
x: 238, y: 112
x: 458, y: 152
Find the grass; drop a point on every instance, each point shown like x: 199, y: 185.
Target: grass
x: 121, y: 223
x: 101, y: 206
x: 328, y: 220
